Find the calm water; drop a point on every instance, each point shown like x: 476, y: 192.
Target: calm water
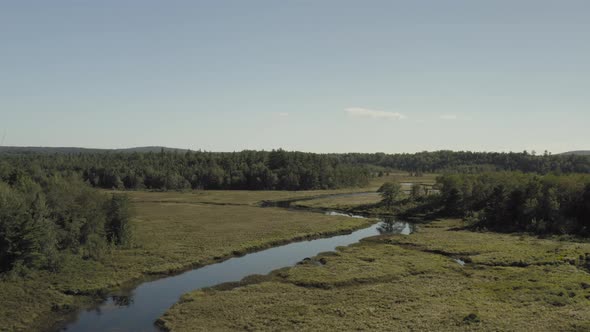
x: 138, y: 309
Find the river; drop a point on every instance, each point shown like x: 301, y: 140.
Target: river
x: 139, y: 308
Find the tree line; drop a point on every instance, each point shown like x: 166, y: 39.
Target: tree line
x: 514, y: 201
x: 271, y: 170
x: 246, y: 170
x: 44, y: 219
x: 474, y: 162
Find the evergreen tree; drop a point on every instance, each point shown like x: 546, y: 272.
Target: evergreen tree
x: 118, y: 225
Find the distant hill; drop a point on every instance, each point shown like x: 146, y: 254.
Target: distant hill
x: 578, y: 153
x: 74, y: 150
x: 146, y: 149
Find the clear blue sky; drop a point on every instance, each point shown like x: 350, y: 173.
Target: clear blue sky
x: 317, y: 75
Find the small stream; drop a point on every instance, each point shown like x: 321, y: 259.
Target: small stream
x: 138, y: 309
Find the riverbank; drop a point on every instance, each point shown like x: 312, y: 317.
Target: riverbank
x: 174, y: 232
x: 509, y: 282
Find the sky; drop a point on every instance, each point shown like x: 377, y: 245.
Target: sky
x: 316, y: 75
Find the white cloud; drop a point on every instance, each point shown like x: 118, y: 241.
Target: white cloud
x: 368, y: 113
x: 448, y: 117
x: 283, y: 114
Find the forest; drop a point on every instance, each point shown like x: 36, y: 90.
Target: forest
x: 474, y: 162
x: 45, y: 219
x: 515, y: 201
x: 269, y: 170
x: 247, y: 170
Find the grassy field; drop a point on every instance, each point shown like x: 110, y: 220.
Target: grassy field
x: 341, y: 202
x: 237, y: 197
x: 511, y: 282
x: 404, y: 178
x: 174, y: 231
x: 370, y: 196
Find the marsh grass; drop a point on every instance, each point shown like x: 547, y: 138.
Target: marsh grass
x: 408, y: 283
x: 345, y: 203
x: 174, y: 232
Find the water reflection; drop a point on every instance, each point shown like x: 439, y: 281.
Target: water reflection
x: 342, y: 214
x: 122, y: 300
x: 390, y: 226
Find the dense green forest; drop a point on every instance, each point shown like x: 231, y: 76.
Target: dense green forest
x: 268, y: 170
x: 44, y: 219
x: 474, y: 162
x: 514, y: 201
x: 250, y: 170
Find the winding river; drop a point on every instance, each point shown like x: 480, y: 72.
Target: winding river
x: 139, y: 308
